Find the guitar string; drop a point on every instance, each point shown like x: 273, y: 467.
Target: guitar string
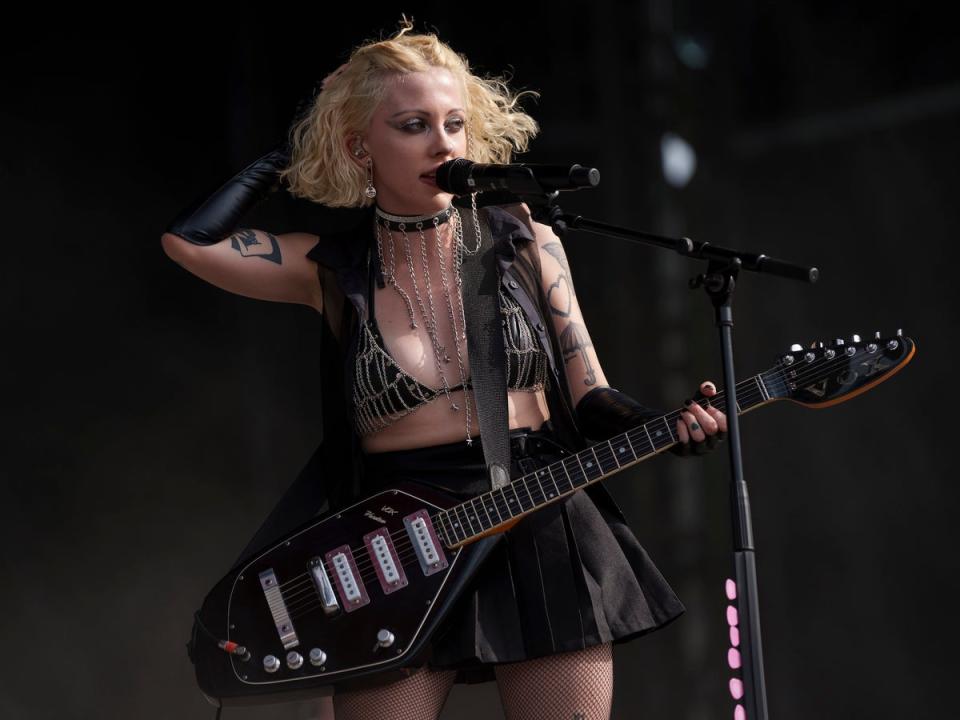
x: 364, y: 565
x: 488, y: 501
x: 601, y: 452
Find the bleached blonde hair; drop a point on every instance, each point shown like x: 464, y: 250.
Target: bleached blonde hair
x: 321, y: 170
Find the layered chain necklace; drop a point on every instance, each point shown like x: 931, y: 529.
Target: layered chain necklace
x: 386, y: 225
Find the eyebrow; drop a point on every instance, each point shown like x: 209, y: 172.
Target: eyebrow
x: 424, y: 112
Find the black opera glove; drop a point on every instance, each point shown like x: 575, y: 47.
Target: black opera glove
x: 605, y: 411
x: 213, y: 216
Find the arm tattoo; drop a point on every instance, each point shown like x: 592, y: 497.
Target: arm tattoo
x: 555, y: 249
x: 248, y: 244
x: 574, y: 341
x: 560, y: 292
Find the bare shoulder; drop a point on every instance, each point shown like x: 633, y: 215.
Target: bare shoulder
x: 254, y: 263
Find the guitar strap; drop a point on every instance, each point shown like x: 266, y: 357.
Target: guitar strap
x: 488, y: 370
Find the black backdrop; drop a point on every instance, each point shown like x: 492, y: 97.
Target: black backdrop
x: 152, y: 419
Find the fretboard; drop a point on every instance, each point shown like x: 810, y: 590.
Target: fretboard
x: 487, y: 513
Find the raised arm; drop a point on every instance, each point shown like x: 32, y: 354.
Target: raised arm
x: 205, y: 240
x: 255, y: 264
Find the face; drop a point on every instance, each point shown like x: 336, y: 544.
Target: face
x: 419, y: 125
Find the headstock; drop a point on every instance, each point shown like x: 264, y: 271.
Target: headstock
x: 829, y: 373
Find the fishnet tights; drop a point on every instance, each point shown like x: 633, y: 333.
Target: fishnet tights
x: 569, y: 686
x: 418, y: 697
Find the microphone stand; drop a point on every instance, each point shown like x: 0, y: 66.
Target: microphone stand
x: 719, y: 282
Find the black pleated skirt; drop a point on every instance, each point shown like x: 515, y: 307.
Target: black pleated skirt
x: 566, y: 577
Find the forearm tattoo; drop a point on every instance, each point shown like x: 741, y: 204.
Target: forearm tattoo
x: 574, y: 339
x: 560, y: 292
x: 247, y: 243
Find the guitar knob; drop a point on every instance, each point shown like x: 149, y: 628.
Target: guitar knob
x: 385, y: 638
x: 271, y: 663
x: 317, y: 657
x: 294, y: 660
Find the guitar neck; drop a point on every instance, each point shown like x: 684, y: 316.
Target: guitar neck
x: 495, y: 510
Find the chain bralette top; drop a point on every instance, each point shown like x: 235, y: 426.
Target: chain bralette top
x: 383, y: 392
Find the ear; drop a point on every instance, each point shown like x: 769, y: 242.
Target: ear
x: 356, y: 150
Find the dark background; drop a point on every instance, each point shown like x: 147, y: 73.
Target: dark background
x: 152, y: 419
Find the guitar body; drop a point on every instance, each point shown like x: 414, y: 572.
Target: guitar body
x: 386, y: 572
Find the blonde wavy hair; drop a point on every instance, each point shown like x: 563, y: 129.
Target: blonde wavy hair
x: 320, y: 169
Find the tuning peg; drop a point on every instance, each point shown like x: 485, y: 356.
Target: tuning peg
x: 855, y: 338
x: 838, y: 342
x: 876, y: 335
x: 796, y: 347
x: 899, y: 332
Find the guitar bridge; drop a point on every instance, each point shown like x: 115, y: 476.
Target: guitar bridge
x: 278, y: 609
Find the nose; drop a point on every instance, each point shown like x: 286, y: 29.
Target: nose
x: 443, y: 143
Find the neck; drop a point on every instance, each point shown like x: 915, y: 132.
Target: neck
x: 413, y: 222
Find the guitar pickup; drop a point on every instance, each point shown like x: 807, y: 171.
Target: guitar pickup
x: 347, y: 577
x: 385, y: 560
x: 426, y: 544
x: 321, y: 583
x: 278, y: 609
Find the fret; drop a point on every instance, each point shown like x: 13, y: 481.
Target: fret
x: 492, y: 503
x: 537, y: 486
x: 550, y: 470
x: 649, y: 439
x: 452, y: 531
x: 621, y: 448
x: 513, y: 485
x: 547, y: 494
x: 583, y: 469
x: 547, y: 472
x: 577, y: 477
x: 763, y: 388
x: 470, y: 518
x: 592, y: 468
x: 438, y: 524
x: 463, y: 521
x: 473, y: 504
x: 566, y: 471
x: 658, y: 433
x: 608, y: 464
x: 613, y: 454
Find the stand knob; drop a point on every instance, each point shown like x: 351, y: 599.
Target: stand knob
x: 317, y: 657
x: 385, y: 638
x: 271, y: 663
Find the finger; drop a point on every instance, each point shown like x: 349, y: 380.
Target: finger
x: 696, y: 431
x: 706, y: 421
x: 720, y: 418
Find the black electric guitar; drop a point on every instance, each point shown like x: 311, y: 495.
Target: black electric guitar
x: 358, y: 594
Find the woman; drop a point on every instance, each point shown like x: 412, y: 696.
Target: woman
x: 567, y: 581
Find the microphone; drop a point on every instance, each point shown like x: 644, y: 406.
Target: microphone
x: 462, y: 177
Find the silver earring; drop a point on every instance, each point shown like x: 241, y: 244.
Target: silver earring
x: 370, y: 191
